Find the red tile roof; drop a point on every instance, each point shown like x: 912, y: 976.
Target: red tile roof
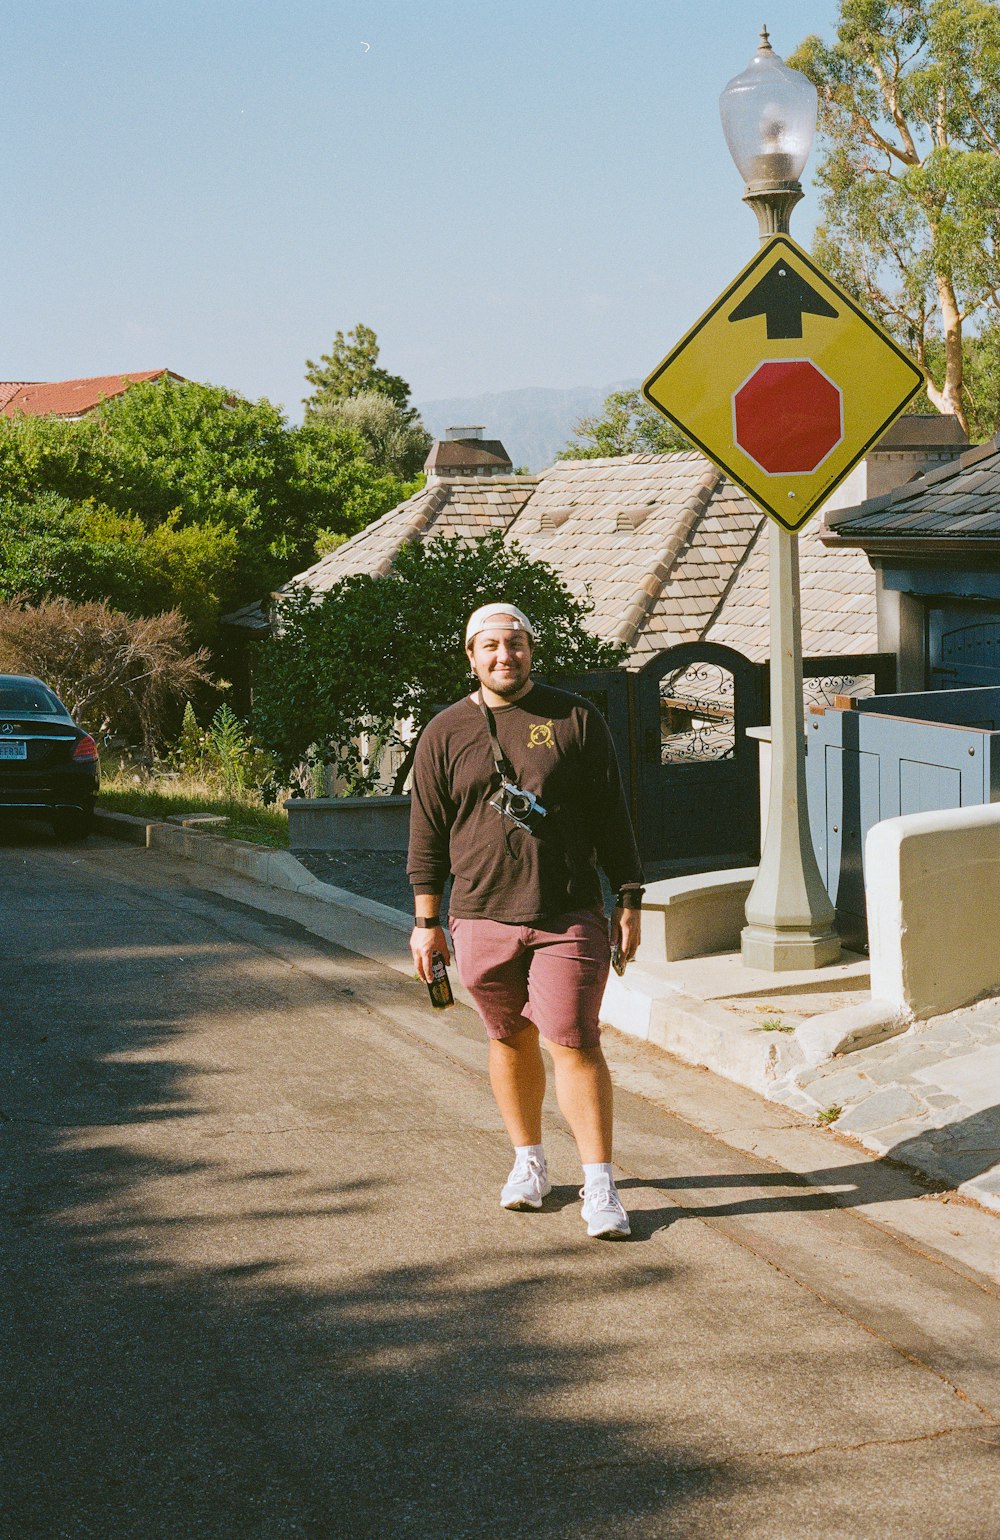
x: 69, y: 398
x: 9, y: 388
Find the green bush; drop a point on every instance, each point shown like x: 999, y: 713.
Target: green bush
x: 377, y: 651
x: 223, y: 756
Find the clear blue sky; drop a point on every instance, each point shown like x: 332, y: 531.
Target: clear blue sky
x: 512, y: 192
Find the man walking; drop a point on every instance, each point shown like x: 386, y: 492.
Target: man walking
x: 517, y: 793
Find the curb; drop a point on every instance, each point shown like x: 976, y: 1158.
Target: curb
x: 698, y: 1032
x: 121, y: 826
x: 242, y: 858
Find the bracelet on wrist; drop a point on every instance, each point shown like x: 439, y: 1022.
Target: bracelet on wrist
x: 428, y: 922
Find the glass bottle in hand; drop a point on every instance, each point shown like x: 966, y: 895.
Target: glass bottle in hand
x: 439, y: 987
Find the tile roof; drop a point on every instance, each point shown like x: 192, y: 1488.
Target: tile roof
x: 838, y: 600
x: 9, y: 388
x: 664, y: 546
x: 465, y: 506
x: 635, y: 535
x: 957, y: 502
x: 923, y: 430
x: 69, y: 398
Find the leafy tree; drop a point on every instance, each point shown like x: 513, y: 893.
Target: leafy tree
x: 214, y: 456
x: 980, y: 381
x: 84, y: 551
x: 377, y: 651
x: 112, y: 671
x: 350, y: 367
x: 628, y: 425
x: 393, y: 441
x: 910, y: 120
x: 177, y: 494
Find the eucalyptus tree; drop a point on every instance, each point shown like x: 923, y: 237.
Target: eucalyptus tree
x: 909, y: 118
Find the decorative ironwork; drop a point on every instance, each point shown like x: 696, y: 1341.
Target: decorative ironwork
x: 696, y: 706
x: 705, y: 741
x: 823, y: 691
x: 706, y: 686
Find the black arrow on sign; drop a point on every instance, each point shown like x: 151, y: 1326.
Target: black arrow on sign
x: 784, y: 297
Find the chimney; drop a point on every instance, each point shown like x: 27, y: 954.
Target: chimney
x: 463, y: 452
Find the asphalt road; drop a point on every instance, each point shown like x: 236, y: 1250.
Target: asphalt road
x: 255, y: 1281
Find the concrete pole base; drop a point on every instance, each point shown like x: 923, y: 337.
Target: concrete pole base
x: 784, y: 951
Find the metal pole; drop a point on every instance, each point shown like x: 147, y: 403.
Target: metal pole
x: 790, y: 919
x: 789, y: 914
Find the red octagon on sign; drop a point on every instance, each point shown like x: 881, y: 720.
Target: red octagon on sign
x: 788, y: 416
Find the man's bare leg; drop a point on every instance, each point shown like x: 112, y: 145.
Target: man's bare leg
x: 517, y: 1075
x: 584, y: 1094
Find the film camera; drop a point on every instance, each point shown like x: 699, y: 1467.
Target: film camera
x: 521, y: 807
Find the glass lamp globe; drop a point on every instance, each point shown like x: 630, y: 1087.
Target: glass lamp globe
x: 769, y: 118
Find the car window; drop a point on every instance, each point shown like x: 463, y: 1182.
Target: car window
x: 30, y: 698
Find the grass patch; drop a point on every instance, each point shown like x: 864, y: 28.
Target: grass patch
x: 829, y: 1114
x: 773, y: 1024
x: 249, y: 819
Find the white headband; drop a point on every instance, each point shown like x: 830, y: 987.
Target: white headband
x: 487, y: 614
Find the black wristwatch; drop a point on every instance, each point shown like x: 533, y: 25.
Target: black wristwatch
x: 427, y: 922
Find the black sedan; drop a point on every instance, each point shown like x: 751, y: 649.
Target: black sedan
x: 48, y: 765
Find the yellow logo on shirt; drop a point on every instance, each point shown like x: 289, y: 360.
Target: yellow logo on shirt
x: 540, y: 736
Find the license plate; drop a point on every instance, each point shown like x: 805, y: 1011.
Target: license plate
x: 13, y: 748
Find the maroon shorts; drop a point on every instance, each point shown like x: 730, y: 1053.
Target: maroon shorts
x: 551, y: 974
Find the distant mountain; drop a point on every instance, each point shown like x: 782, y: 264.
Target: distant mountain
x: 533, y: 424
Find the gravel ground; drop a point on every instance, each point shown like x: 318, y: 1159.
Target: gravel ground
x: 377, y: 874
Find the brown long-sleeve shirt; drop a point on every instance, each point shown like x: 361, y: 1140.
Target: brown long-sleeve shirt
x: 559, y: 748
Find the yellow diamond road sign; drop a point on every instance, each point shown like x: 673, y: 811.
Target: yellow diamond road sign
x: 785, y: 383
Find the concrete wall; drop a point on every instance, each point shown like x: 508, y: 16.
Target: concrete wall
x: 933, y: 895
x: 694, y: 916
x: 348, y: 823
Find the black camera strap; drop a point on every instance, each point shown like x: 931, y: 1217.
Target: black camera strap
x: 505, y: 769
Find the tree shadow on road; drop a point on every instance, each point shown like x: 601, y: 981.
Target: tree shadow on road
x: 164, y: 1376
x: 935, y: 1161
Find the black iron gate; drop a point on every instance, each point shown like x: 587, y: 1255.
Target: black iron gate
x: 690, y: 771
x: 698, y: 772
x: 680, y: 729
x: 612, y: 692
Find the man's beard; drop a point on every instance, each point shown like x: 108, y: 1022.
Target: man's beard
x: 513, y: 688
x: 505, y: 688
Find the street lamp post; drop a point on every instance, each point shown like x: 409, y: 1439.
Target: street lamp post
x: 769, y: 118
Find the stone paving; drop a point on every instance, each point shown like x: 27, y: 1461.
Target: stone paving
x: 929, y: 1098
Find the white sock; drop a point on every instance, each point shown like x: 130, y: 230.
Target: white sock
x: 526, y: 1152
x: 597, y: 1173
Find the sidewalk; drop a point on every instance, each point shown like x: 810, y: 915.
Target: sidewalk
x: 927, y: 1098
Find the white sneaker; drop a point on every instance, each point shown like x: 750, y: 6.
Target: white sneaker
x: 527, y: 1184
x: 603, y: 1213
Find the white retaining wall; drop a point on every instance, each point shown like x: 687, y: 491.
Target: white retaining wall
x: 933, y: 893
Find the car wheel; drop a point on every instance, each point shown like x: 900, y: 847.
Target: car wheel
x: 72, y: 824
